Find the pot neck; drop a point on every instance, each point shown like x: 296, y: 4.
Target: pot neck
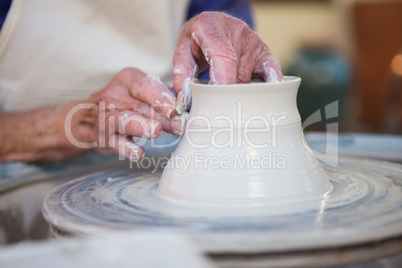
x: 239, y: 103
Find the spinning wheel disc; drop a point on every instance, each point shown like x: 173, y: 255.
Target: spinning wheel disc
x: 364, y: 206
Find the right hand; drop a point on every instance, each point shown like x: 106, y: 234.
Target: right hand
x: 233, y: 52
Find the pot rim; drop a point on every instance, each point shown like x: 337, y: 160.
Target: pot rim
x: 203, y: 83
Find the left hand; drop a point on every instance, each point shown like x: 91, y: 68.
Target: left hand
x: 233, y: 52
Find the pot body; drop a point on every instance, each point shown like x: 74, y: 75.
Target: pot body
x: 244, y: 144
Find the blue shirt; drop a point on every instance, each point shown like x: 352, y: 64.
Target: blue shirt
x: 240, y: 9
x: 4, y: 7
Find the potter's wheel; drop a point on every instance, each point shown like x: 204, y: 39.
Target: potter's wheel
x: 278, y: 208
x: 364, y: 206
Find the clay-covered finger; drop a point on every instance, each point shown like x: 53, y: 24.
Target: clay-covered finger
x: 175, y: 125
x: 221, y: 39
x: 185, y: 69
x: 250, y: 56
x: 210, y: 35
x: 135, y: 124
x: 149, y: 89
x: 268, y: 67
x: 127, y: 148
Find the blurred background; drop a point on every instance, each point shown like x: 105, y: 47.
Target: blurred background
x: 348, y: 51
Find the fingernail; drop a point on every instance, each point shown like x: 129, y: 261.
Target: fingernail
x: 179, y: 123
x: 136, y: 156
x: 167, y: 107
x: 169, y: 112
x: 168, y: 104
x: 179, y: 108
x: 135, y: 152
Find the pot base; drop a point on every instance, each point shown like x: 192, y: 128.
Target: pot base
x: 364, y: 206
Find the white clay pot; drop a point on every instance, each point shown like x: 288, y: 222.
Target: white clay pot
x: 244, y: 145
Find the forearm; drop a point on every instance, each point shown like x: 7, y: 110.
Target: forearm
x: 35, y: 136
x: 133, y: 104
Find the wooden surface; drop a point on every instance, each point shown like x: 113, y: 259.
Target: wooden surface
x: 378, y: 36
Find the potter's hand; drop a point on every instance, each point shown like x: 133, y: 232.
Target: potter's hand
x: 105, y: 122
x: 141, y: 106
x: 233, y: 52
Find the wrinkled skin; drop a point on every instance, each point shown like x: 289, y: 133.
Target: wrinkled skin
x: 233, y: 52
x: 142, y: 106
x: 131, y: 105
x: 136, y: 105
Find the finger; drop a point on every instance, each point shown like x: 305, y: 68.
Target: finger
x: 250, y: 55
x: 135, y: 124
x: 213, y: 34
x: 184, y: 70
x: 175, y: 125
x: 127, y: 148
x: 268, y: 67
x: 149, y: 89
x: 221, y: 58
